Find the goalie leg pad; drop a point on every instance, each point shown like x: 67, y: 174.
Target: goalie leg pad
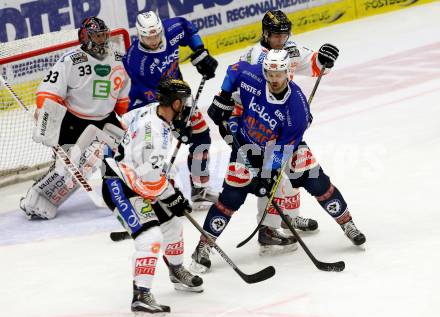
x: 47, y: 193
x: 173, y: 244
x: 144, y: 260
x: 47, y: 130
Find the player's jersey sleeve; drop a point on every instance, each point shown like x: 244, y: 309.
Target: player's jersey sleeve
x: 54, y: 84
x: 185, y: 32
x: 123, y: 84
x: 304, y: 60
x: 232, y: 78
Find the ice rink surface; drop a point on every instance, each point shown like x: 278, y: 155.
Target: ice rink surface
x: 376, y: 133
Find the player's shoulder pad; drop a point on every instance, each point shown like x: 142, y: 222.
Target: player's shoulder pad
x: 172, y: 24
x: 75, y: 56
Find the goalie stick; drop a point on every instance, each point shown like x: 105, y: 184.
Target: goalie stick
x: 275, y: 186
x: 61, y: 153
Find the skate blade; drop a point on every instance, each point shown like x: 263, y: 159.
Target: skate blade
x: 361, y: 247
x: 186, y: 288
x: 300, y: 232
x: 201, y: 206
x: 269, y: 250
x: 198, y: 268
x: 144, y: 313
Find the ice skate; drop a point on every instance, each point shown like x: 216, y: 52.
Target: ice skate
x: 200, y: 258
x: 273, y: 242
x: 353, y: 233
x: 30, y: 213
x: 202, y: 198
x: 143, y: 301
x: 183, y: 280
x: 300, y: 223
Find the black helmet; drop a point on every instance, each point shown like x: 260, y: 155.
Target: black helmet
x: 92, y: 27
x: 276, y: 22
x: 168, y: 91
x: 171, y: 89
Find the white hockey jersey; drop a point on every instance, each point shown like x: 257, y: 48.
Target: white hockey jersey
x: 89, y: 88
x: 147, y: 147
x: 304, y: 61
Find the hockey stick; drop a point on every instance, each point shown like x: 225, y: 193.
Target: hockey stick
x: 260, y: 276
x: 323, y: 266
x: 62, y: 155
x: 242, y: 243
x: 123, y: 235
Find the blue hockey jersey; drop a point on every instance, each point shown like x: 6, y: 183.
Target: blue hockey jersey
x: 263, y: 118
x: 146, y: 67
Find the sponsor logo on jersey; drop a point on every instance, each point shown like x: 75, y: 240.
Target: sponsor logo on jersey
x: 165, y: 138
x: 101, y: 89
x: 102, y: 70
x: 175, y: 39
x: 252, y: 75
x: 145, y: 266
x: 260, y: 110
x: 163, y: 65
x: 250, y: 89
x: 174, y: 248
x: 147, y: 137
x: 78, y: 58
x: 118, y: 56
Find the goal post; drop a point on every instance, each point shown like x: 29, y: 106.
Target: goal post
x: 23, y: 64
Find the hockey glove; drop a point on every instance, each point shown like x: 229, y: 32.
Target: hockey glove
x: 327, y: 55
x: 292, y: 49
x: 221, y: 109
x: 263, y: 186
x: 181, y: 132
x: 177, y: 203
x: 205, y: 63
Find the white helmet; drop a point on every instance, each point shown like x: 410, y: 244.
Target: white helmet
x: 148, y: 24
x: 277, y: 60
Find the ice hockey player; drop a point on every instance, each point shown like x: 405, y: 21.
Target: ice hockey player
x: 154, y: 55
x: 274, y: 110
x: 76, y: 105
x: 144, y: 200
x: 276, y: 34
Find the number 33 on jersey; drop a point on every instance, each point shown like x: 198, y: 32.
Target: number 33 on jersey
x: 89, y: 88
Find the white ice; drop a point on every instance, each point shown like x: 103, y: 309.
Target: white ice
x: 376, y: 133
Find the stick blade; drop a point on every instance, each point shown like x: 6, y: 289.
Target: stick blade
x: 331, y: 267
x: 260, y: 276
x: 119, y: 236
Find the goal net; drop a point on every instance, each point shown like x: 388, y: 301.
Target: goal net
x: 23, y: 64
